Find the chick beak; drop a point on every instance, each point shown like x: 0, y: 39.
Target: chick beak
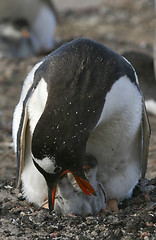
x: 81, y: 180
x: 84, y: 184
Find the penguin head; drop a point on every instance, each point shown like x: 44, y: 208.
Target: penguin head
x: 53, y: 168
x: 14, y: 30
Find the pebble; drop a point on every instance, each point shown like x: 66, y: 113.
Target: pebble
x: 146, y: 238
x: 117, y: 232
x: 94, y: 233
x: 14, y: 222
x: 20, y: 196
x: 52, y: 228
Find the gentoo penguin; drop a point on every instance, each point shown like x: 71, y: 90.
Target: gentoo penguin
x: 15, y: 39
x: 71, y: 200
x: 40, y: 16
x: 81, y: 99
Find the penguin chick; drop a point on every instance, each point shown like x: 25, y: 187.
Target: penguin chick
x: 81, y: 99
x: 71, y: 200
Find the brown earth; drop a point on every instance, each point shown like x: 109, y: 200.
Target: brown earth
x: 128, y: 28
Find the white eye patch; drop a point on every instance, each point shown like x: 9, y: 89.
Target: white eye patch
x: 48, y: 165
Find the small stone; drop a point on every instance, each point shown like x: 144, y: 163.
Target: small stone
x: 20, y: 196
x: 117, y: 232
x: 52, y: 229
x: 54, y: 234
x: 22, y: 214
x: 94, y: 233
x: 14, y: 222
x: 144, y: 235
x: 146, y: 238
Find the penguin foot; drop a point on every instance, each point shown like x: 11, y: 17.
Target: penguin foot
x: 45, y: 204
x: 112, y: 205
x: 71, y: 215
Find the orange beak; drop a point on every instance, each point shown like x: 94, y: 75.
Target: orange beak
x: 25, y: 33
x: 85, y: 186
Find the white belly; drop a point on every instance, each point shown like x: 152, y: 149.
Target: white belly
x: 34, y: 185
x: 114, y: 140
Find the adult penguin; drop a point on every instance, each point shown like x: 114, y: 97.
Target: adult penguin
x: 81, y: 99
x: 15, y: 39
x: 40, y: 16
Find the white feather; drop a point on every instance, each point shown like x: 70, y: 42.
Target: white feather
x: 114, y: 140
x: 151, y: 106
x: 18, y: 110
x: 34, y: 185
x: 37, y: 103
x: 47, y: 164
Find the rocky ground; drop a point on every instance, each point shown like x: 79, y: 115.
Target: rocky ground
x: 127, y: 27
x: 136, y: 220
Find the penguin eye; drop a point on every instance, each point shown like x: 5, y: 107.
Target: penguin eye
x: 57, y: 169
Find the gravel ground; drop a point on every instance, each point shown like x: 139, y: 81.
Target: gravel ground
x: 127, y: 27
x: 136, y: 220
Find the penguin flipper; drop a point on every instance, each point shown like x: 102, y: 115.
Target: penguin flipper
x: 21, y: 147
x: 20, y: 119
x: 145, y: 136
x: 21, y: 137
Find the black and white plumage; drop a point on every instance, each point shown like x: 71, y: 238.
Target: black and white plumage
x: 15, y: 40
x: 40, y: 16
x: 81, y: 99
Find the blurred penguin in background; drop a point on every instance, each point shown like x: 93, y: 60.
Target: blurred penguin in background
x: 26, y: 27
x: 15, y: 39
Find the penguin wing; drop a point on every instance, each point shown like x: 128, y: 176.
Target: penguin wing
x: 21, y: 136
x: 145, y: 136
x: 22, y: 133
x: 20, y: 120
